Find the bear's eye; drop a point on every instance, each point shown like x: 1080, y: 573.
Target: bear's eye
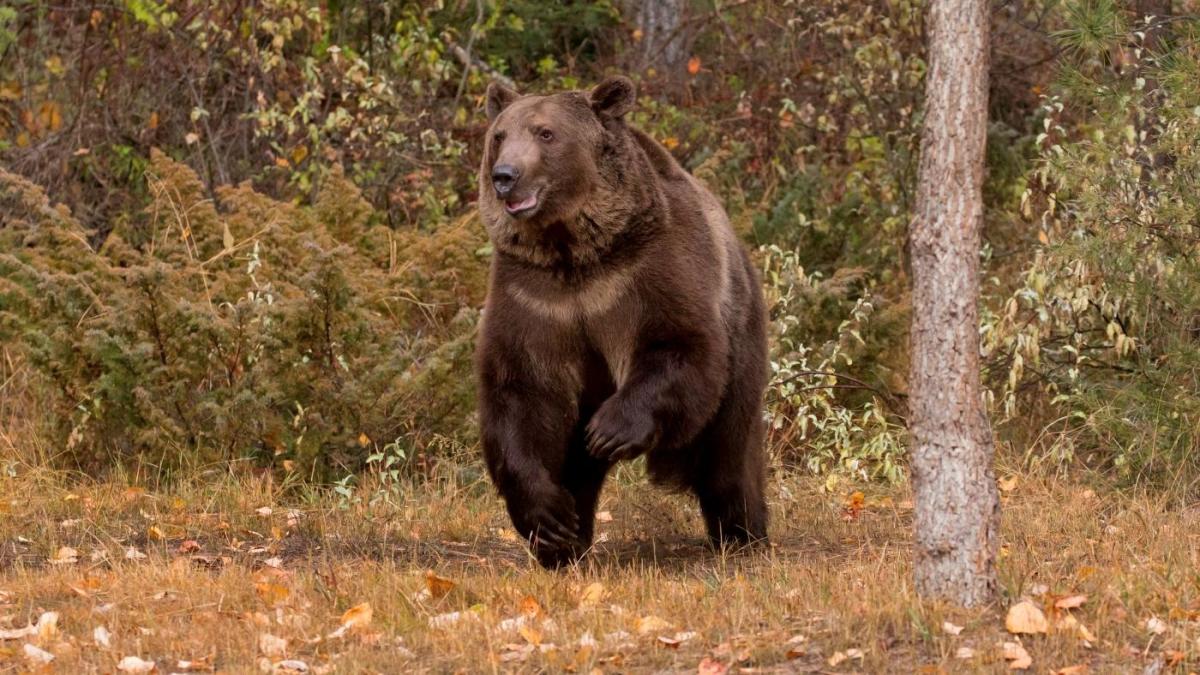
x: 546, y: 135
x: 498, y: 138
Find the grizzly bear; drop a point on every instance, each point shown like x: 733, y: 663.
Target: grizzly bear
x: 623, y: 318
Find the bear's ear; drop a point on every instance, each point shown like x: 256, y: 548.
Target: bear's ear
x: 613, y: 97
x: 498, y: 98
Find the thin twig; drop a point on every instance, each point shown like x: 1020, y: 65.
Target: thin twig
x: 462, y: 83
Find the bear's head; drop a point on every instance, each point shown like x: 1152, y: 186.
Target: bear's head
x: 556, y: 166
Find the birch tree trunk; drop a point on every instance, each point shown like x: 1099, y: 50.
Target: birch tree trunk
x: 956, y: 505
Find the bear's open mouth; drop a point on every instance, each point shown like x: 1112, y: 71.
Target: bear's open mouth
x: 522, y: 206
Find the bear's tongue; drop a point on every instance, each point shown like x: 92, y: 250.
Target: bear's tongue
x: 528, y: 202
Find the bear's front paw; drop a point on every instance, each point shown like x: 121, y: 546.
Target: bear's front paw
x: 618, y: 432
x: 552, y: 522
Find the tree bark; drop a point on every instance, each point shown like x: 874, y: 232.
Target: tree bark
x: 664, y: 39
x: 956, y: 504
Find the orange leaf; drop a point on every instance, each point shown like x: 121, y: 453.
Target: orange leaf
x: 438, y: 586
x: 694, y: 65
x: 271, y: 593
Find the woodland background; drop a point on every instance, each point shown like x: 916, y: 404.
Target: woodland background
x: 244, y: 231
x: 241, y: 273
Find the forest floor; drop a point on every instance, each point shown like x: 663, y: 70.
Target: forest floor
x: 238, y: 574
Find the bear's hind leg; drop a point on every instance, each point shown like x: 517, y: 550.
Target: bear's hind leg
x: 729, y: 479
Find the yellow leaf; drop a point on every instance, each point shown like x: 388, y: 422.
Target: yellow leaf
x: 363, y: 440
x: 438, y: 586
x: 670, y: 142
x: 650, y: 624
x: 1026, y: 617
x: 358, y: 616
x: 271, y: 593
x: 532, y: 635
x: 1069, y: 624
x: 156, y: 534
x: 592, y: 595
x: 55, y: 65
x: 299, y: 153
x: 226, y: 237
x: 638, y: 35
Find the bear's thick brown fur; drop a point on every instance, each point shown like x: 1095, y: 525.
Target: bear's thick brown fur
x: 623, y: 318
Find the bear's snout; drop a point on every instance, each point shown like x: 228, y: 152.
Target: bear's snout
x: 504, y: 179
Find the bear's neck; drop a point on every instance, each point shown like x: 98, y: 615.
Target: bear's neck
x: 613, y: 226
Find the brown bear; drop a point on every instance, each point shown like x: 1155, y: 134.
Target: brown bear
x: 623, y: 318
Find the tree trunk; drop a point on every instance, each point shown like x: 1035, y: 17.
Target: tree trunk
x: 956, y: 505
x: 664, y: 40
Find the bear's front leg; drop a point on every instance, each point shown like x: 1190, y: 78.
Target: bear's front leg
x: 526, y: 424
x: 673, y: 390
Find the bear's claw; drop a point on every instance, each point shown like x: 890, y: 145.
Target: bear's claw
x: 613, y: 434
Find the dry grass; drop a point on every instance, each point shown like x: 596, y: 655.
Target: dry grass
x: 841, y: 584
x: 829, y: 585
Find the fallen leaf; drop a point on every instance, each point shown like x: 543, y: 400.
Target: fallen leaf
x: 603, y: 517
x: 17, y: 633
x: 836, y: 659
x: 530, y: 607
x: 711, y: 666
x: 132, y: 664
x: 155, y: 533
x: 796, y: 647
x: 964, y: 653
x: 592, y: 595
x: 272, y: 645
x: 532, y: 635
x: 1069, y: 624
x: 1072, y: 670
x: 951, y: 629
x: 191, y: 138
x: 1008, y: 483
x: 1026, y: 617
x: 853, y: 506
x: 134, y: 554
x: 1018, y: 657
x: 358, y: 616
x: 290, y: 666
x: 47, y: 626
x: 677, y: 639
x: 102, y: 637
x: 438, y: 586
x: 650, y: 624
x: 264, y: 511
x: 65, y: 555
x: 449, y: 619
x: 271, y: 593
x: 37, y: 654
x: 1070, y: 602
x: 1156, y: 625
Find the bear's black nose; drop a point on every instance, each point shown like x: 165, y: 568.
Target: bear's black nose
x: 504, y: 177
